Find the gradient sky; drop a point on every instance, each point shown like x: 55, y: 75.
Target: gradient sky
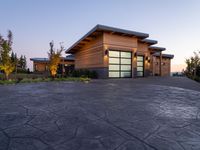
x: 34, y: 23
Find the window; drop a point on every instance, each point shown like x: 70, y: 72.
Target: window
x: 119, y: 64
x: 114, y: 60
x: 140, y: 66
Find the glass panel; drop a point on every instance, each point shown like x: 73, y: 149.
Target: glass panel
x: 113, y: 74
x: 140, y: 63
x: 113, y: 53
x: 126, y: 54
x: 126, y: 67
x: 139, y: 68
x: 125, y: 61
x: 125, y: 74
x: 114, y: 60
x: 114, y: 67
x: 139, y: 74
x: 140, y: 58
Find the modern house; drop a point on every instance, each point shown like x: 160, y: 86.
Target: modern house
x: 119, y: 53
x: 40, y: 65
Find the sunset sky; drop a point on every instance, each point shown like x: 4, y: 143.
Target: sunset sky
x: 34, y: 23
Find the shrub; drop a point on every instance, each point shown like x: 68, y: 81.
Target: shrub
x: 84, y: 73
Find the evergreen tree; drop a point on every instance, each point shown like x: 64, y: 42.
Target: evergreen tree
x: 21, y: 59
x: 13, y: 56
x: 24, y: 63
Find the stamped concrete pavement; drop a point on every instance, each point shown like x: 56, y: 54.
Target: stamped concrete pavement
x: 123, y: 114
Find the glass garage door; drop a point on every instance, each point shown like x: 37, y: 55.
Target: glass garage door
x: 119, y: 64
x: 140, y: 66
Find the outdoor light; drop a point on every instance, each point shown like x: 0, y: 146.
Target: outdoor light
x: 147, y: 57
x: 106, y: 52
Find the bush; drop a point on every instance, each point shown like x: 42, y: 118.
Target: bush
x: 85, y: 73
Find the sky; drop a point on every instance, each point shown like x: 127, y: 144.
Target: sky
x: 34, y: 23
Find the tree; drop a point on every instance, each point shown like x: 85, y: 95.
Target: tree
x: 14, y: 60
x: 193, y: 66
x: 24, y: 63
x: 21, y: 62
x: 54, y: 59
x: 6, y: 64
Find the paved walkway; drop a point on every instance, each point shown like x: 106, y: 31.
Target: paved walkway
x: 127, y: 114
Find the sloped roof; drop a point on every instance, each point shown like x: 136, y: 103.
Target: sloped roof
x: 157, y: 48
x: 149, y: 41
x: 39, y: 59
x: 68, y: 57
x: 102, y: 28
x: 164, y: 55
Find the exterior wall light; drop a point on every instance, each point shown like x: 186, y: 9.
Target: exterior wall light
x: 147, y: 58
x: 106, y: 52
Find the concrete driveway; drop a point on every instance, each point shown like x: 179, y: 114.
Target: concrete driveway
x: 123, y: 114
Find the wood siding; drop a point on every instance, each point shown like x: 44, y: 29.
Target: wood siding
x: 40, y: 66
x: 43, y: 66
x: 143, y: 49
x: 166, y: 66
x: 90, y: 55
x: 118, y: 41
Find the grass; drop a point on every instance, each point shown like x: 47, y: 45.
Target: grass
x: 36, y: 80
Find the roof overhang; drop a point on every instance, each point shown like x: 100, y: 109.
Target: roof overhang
x: 149, y: 41
x: 45, y: 60
x: 39, y: 59
x: 157, y: 48
x: 164, y: 55
x: 99, y: 29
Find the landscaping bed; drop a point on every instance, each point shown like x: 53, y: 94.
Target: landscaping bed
x: 35, y: 80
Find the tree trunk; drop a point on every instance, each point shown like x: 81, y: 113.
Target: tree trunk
x: 6, y: 76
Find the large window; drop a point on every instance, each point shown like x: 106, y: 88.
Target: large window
x: 140, y: 66
x: 119, y: 64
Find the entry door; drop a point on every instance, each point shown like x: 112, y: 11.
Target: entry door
x: 120, y: 64
x: 140, y: 66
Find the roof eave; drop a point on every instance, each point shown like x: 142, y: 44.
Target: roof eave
x: 157, y: 48
x: 103, y: 28
x: 149, y: 41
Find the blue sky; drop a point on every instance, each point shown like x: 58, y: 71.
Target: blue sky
x: 34, y: 23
